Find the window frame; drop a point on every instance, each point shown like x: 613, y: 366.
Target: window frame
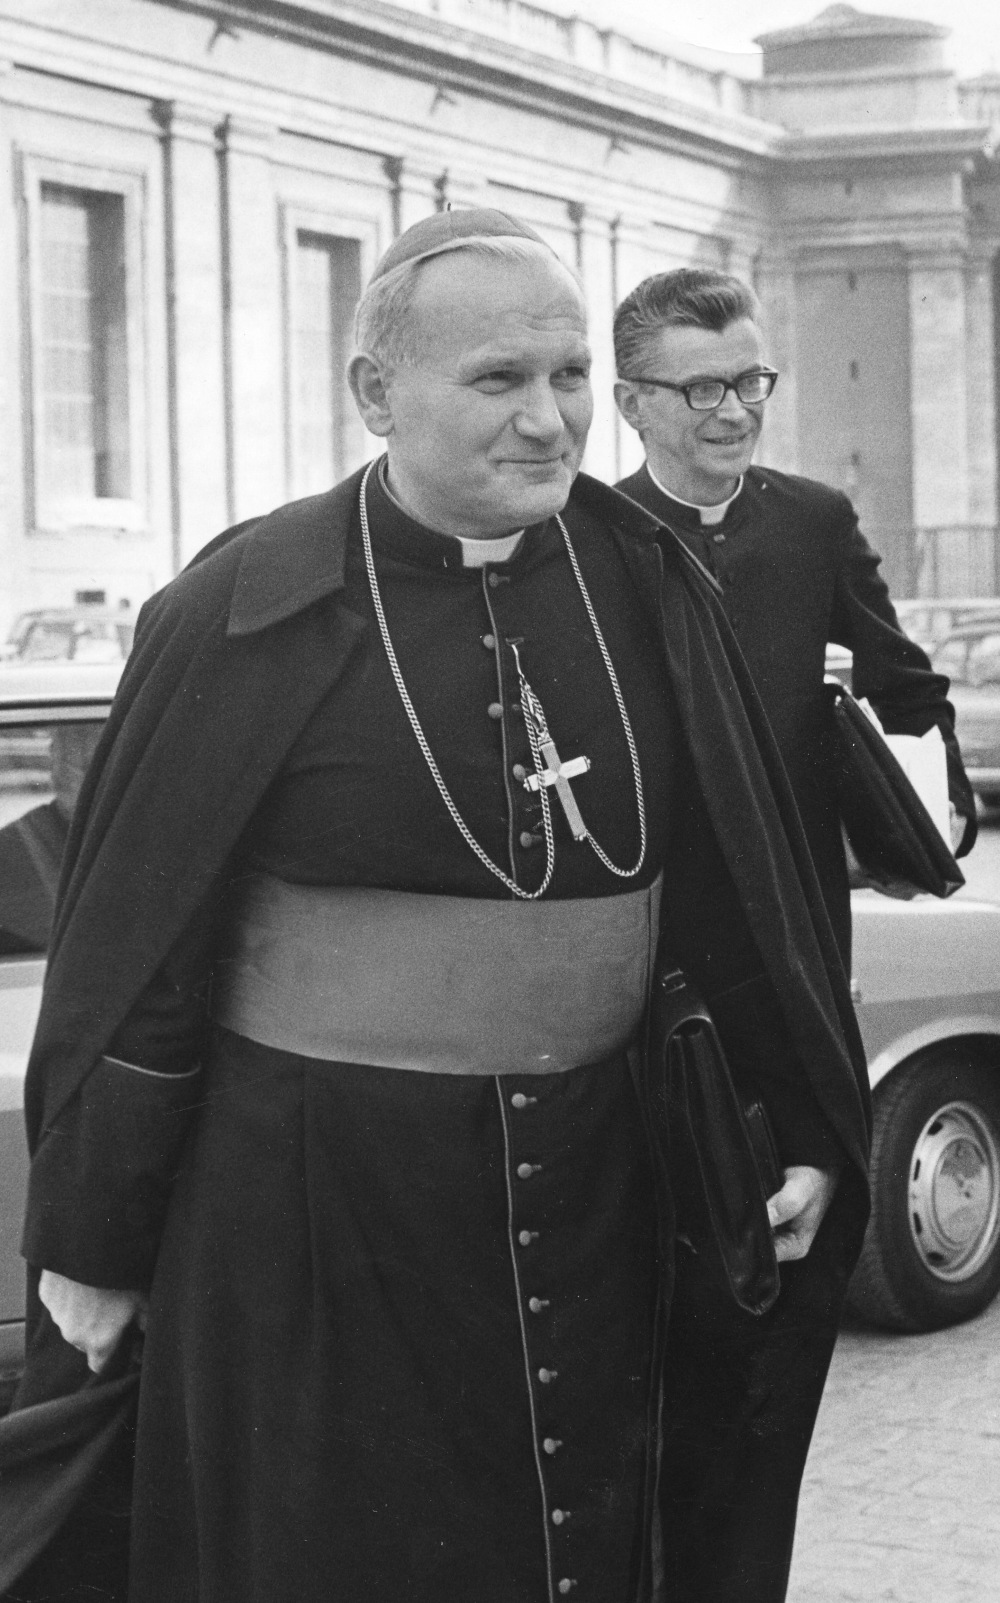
x: 46, y: 512
x: 295, y: 220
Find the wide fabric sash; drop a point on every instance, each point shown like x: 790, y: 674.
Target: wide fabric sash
x: 446, y: 984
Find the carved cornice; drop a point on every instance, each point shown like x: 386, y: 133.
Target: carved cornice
x: 457, y: 59
x: 950, y: 148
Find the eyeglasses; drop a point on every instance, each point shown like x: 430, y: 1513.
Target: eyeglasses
x: 705, y: 394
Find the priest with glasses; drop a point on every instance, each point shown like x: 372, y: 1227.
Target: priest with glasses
x: 794, y: 572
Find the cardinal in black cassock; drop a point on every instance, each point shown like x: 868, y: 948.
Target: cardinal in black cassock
x: 333, y: 1065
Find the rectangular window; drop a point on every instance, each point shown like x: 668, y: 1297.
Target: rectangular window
x: 83, y: 368
x: 86, y: 346
x: 325, y: 291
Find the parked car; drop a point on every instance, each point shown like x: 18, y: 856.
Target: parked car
x: 929, y: 619
x: 73, y: 634
x: 927, y: 989
x: 970, y: 656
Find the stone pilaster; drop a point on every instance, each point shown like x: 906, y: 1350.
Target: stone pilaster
x: 981, y: 387
x: 196, y: 392
x: 635, y: 258
x: 595, y: 259
x: 252, y: 306
x: 418, y: 190
x: 938, y: 388
x: 776, y: 288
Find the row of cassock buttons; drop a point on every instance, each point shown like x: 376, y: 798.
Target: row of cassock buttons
x: 528, y: 838
x: 537, y: 1305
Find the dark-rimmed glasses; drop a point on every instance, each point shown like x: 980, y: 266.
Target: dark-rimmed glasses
x: 705, y: 394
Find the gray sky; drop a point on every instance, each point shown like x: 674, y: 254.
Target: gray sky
x: 730, y: 25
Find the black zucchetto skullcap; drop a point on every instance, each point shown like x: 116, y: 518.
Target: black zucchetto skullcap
x: 442, y: 232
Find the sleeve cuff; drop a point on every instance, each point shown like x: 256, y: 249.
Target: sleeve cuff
x: 101, y: 1178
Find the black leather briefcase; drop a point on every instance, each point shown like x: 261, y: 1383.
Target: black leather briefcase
x: 891, y: 833
x: 720, y: 1155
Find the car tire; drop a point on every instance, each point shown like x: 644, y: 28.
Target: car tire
x: 931, y: 1255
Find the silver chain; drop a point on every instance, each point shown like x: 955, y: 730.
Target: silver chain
x: 463, y: 828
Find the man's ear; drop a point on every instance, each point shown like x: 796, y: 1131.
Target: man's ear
x: 371, y: 397
x: 628, y: 403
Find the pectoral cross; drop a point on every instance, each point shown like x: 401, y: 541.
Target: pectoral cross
x: 556, y: 772
x: 559, y: 774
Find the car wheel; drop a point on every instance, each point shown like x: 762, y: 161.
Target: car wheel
x: 931, y: 1255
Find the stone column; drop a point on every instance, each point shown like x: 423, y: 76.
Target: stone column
x: 939, y: 409
x: 195, y: 363
x: 252, y: 302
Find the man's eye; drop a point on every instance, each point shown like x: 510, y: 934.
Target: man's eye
x: 499, y: 378
x: 569, y: 378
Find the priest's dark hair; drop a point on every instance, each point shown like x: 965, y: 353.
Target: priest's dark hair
x: 687, y: 297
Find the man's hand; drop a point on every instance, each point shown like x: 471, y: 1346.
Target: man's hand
x: 796, y: 1211
x: 90, y: 1318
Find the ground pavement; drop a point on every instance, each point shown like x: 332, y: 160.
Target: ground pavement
x: 901, y: 1501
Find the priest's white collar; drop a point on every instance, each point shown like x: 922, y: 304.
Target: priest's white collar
x: 708, y: 515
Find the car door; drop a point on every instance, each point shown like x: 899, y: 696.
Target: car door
x: 44, y: 753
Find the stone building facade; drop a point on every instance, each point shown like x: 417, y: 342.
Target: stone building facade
x: 193, y: 193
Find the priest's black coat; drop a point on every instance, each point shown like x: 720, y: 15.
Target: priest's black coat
x: 795, y: 573
x: 229, y: 663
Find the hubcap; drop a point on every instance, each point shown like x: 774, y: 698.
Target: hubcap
x: 954, y: 1192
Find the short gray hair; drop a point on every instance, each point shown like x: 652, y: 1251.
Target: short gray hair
x: 687, y: 297
x: 383, y: 327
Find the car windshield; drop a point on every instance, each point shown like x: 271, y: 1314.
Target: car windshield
x: 78, y: 639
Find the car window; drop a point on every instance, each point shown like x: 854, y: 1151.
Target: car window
x: 42, y: 764
x: 47, y: 641
x: 76, y: 638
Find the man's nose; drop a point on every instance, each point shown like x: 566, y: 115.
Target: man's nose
x: 539, y: 416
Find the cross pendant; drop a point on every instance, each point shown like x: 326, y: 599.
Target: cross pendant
x: 559, y: 774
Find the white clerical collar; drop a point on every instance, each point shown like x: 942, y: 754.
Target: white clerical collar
x: 708, y: 515
x: 475, y: 553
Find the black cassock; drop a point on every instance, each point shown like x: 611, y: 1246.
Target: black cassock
x: 796, y: 573
x: 402, y: 1341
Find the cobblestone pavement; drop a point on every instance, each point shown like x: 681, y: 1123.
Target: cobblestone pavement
x: 901, y: 1500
